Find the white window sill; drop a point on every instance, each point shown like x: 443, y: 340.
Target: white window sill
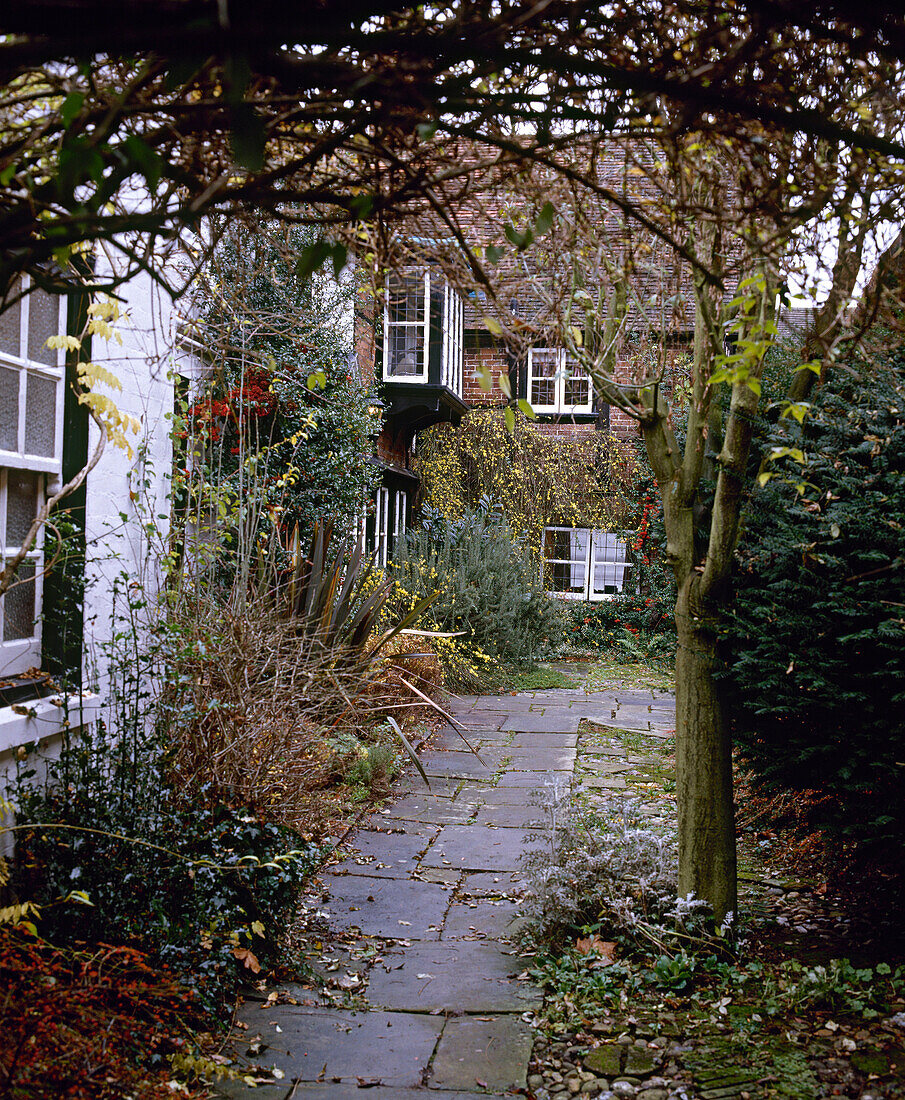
x: 39, y: 719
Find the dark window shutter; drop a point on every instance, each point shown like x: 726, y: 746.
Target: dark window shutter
x: 518, y: 374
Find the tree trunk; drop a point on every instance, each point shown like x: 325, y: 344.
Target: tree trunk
x: 707, y: 859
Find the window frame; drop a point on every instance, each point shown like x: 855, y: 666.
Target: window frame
x: 452, y: 349
x: 450, y: 325
x: 560, y: 379
x: 19, y: 654
x: 420, y: 377
x: 381, y: 526
x: 22, y: 459
x: 597, y: 540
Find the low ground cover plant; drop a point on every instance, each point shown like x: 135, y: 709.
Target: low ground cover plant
x: 93, y: 1023
x: 109, y: 851
x: 619, y: 955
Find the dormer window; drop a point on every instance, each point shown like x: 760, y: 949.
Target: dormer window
x: 557, y: 384
x: 422, y: 331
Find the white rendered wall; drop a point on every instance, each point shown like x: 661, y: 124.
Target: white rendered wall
x: 125, y: 493
x: 128, y: 494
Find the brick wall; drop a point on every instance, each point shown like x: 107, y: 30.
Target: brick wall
x: 392, y: 450
x: 495, y: 360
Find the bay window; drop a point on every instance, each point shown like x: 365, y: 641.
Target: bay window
x: 423, y: 323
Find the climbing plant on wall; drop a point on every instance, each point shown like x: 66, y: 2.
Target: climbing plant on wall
x: 278, y: 434
x: 539, y: 480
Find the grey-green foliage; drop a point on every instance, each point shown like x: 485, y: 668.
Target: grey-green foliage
x: 608, y: 867
x: 488, y: 581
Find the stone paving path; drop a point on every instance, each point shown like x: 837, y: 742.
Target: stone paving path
x: 425, y: 994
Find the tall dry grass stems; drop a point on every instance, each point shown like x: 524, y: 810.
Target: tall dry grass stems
x: 273, y: 696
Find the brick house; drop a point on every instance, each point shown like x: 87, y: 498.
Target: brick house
x: 428, y: 352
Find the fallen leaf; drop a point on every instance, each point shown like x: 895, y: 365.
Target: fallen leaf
x: 603, y: 948
x: 247, y: 958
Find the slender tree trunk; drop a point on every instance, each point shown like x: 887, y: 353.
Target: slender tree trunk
x: 703, y: 763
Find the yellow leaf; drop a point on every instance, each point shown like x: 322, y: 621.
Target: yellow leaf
x: 247, y: 958
x: 494, y: 327
x: 67, y: 343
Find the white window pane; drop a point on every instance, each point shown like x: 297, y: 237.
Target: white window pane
x: 40, y: 416
x: 10, y: 327
x: 9, y: 409
x: 608, y: 547
x: 566, y: 577
x: 405, y: 300
x: 557, y: 544
x: 609, y: 576
x: 43, y: 322
x: 405, y: 353
x: 405, y: 350
x: 544, y: 367
x: 577, y: 387
x: 21, y: 504
x: 19, y: 606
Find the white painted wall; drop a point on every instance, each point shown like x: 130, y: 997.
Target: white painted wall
x: 120, y: 506
x: 119, y: 548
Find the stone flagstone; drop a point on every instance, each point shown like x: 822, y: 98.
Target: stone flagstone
x: 454, y: 976
x: 431, y: 882
x: 491, y: 1053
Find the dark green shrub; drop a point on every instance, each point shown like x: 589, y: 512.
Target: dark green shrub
x: 815, y: 648
x: 488, y: 582
x: 626, y: 628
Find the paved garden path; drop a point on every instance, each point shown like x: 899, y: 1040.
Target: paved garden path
x: 422, y: 991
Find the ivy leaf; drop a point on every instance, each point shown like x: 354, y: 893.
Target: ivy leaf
x: 143, y: 157
x: 544, y: 219
x: 361, y: 206
x: 494, y: 253
x: 520, y: 240
x: 505, y: 385
x: 312, y: 258
x: 494, y: 327
x: 426, y: 130
x: 526, y: 408
x: 340, y: 257
x: 509, y: 417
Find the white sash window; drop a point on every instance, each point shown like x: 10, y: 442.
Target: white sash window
x: 556, y: 383
x: 583, y: 564
x: 31, y: 443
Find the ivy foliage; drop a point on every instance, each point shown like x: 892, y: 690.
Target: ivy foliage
x: 281, y: 429
x: 539, y: 480
x: 815, y: 646
x: 112, y: 848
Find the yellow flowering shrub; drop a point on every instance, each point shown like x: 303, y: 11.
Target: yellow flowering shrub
x: 539, y: 480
